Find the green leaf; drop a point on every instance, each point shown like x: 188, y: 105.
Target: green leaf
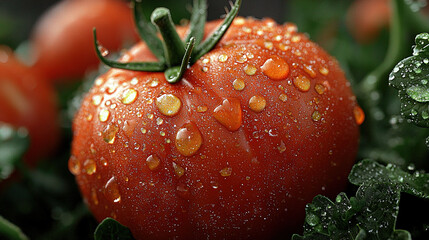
x: 214, y: 38
x: 148, y: 31
x: 411, y: 78
x: 109, y: 228
x: 369, y: 171
x: 198, y: 21
x: 10, y: 231
x: 13, y: 145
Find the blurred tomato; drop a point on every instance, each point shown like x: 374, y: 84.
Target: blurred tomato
x: 28, y: 101
x: 62, y: 39
x: 366, y: 18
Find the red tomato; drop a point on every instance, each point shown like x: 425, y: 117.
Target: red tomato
x: 63, y: 45
x: 28, y: 101
x: 255, y: 129
x: 366, y: 18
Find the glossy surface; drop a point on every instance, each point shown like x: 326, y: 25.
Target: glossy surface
x: 267, y: 143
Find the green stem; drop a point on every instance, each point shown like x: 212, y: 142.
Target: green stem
x: 10, y: 231
x: 173, y: 45
x: 175, y: 74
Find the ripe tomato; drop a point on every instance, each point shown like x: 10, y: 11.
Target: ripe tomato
x: 366, y: 18
x: 254, y: 130
x: 62, y: 39
x: 28, y: 101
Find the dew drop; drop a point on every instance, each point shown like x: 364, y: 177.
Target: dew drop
x: 284, y: 47
x: 180, y: 171
x: 359, y: 115
x: 182, y: 190
x: 268, y: 45
x: 309, y: 70
x: 229, y: 114
x: 242, y: 58
x: 238, y: 84
x: 153, y: 162
x: 324, y: 71
x: 154, y: 83
x: 257, y: 103
x: 103, y: 116
x: 188, y: 139
x: 129, y: 96
x: 159, y: 121
x: 281, y: 147
x: 94, y: 196
x: 250, y: 69
x: 226, y: 172
x: 276, y: 68
x: 202, y: 108
x: 103, y: 161
x: 104, y: 52
x: 283, y: 97
x: 89, y: 167
x: 96, y: 100
x: 109, y: 134
x: 223, y: 58
x: 74, y: 165
x: 129, y: 127
x: 168, y: 104
x: 112, y: 190
x: 320, y: 89
x: 302, y: 83
x: 316, y: 116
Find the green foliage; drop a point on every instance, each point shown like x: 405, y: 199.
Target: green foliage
x: 13, y: 145
x: 109, y: 228
x: 372, y: 212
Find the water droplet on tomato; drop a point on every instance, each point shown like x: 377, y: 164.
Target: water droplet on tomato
x: 302, y: 83
x: 320, y: 89
x: 154, y: 83
x: 226, y: 172
x: 250, y: 69
x: 257, y: 103
x: 229, y: 113
x: 201, y: 108
x: 214, y: 184
x: 283, y: 97
x: 159, y: 121
x: 359, y: 115
x: 103, y: 115
x: 178, y: 170
x: 324, y: 71
x: 205, y: 69
x: 275, y: 68
x: 238, y: 84
x: 316, y: 116
x: 188, y: 139
x: 129, y: 96
x: 96, y: 100
x: 74, y: 165
x: 182, y: 190
x: 103, y: 161
x: 223, y: 58
x: 109, y: 134
x: 241, y: 58
x: 309, y: 70
x: 94, y: 196
x: 168, y: 104
x: 89, y: 167
x: 153, y: 162
x: 129, y: 127
x: 283, y: 47
x: 296, y: 38
x: 281, y: 147
x: 268, y: 45
x: 112, y: 190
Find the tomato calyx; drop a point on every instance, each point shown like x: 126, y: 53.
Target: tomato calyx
x: 174, y: 55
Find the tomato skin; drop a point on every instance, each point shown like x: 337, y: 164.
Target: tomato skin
x: 62, y: 40
x: 247, y: 183
x: 28, y: 101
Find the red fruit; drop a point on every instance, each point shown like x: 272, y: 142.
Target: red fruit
x: 366, y: 18
x: 62, y: 40
x: 28, y: 101
x: 255, y: 129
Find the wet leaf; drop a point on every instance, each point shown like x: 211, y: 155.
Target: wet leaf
x: 109, y: 228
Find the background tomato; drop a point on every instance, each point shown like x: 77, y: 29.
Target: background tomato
x: 28, y: 101
x: 256, y: 128
x: 62, y: 39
